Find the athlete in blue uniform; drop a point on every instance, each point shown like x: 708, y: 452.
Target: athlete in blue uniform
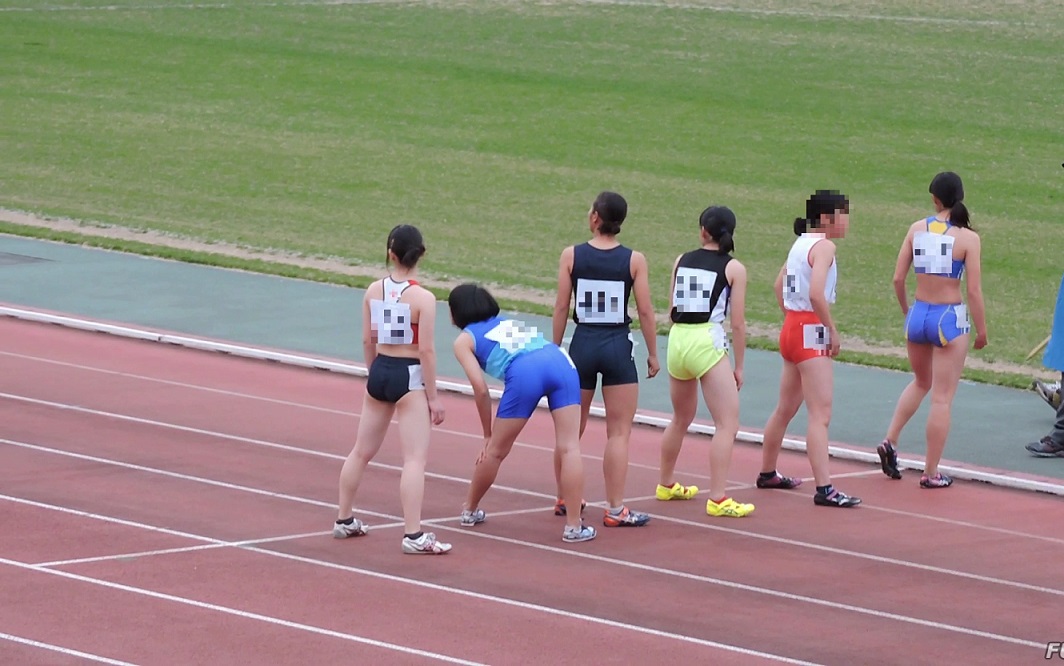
x: 532, y: 368
x: 939, y: 249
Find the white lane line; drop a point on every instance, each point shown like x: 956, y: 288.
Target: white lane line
x: 182, y: 549
x: 679, y: 521
x: 241, y: 613
x: 64, y: 650
x: 608, y: 560
x: 520, y: 491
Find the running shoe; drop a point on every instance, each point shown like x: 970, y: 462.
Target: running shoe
x: 1050, y: 392
x: 471, y: 518
x: 779, y: 481
x: 939, y: 480
x: 625, y: 518
x: 835, y: 498
x: 888, y: 459
x: 426, y: 544
x: 676, y: 492
x: 728, y: 508
x: 559, y: 507
x: 584, y: 533
x: 353, y: 529
x: 1046, y: 448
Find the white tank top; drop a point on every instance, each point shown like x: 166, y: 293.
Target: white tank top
x: 799, y: 275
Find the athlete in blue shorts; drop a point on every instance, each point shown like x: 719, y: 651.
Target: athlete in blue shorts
x: 532, y: 368
x: 939, y: 249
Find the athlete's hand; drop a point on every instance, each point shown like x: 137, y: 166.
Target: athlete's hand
x: 834, y: 343
x: 484, y: 453
x: 436, y: 411
x: 980, y: 340
x: 738, y: 374
x: 652, y: 366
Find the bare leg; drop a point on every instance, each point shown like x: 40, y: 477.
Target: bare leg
x: 789, y: 401
x: 913, y: 394
x: 947, y: 365
x: 817, y: 388
x: 684, y: 394
x: 414, y: 429
x: 567, y: 444
x: 620, y: 401
x: 503, y: 435
x: 585, y: 410
x: 372, y: 427
x: 722, y: 399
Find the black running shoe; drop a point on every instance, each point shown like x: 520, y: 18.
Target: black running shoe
x: 779, y: 481
x: 888, y: 459
x: 835, y: 498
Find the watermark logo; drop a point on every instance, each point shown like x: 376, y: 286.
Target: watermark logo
x: 1055, y: 649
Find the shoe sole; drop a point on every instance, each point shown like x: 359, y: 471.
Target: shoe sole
x: 884, y: 462
x: 838, y: 506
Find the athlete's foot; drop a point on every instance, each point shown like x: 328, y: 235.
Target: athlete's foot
x: 625, y: 518
x: 888, y: 459
x: 676, y: 492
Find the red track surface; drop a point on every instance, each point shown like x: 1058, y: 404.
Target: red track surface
x: 133, y: 475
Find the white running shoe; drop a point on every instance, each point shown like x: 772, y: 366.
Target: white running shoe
x: 471, y: 518
x: 426, y: 544
x: 356, y: 528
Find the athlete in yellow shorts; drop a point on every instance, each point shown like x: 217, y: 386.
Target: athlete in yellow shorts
x: 706, y: 283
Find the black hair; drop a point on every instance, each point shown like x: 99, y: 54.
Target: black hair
x: 406, y: 243
x: 612, y: 209
x: 471, y: 303
x: 823, y: 202
x: 719, y: 223
x: 949, y: 190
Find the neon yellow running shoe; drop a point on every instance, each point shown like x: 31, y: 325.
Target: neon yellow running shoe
x: 676, y: 492
x: 728, y: 508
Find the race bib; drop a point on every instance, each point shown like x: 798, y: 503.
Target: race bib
x: 816, y: 336
x: 600, y: 301
x: 792, y: 283
x: 694, y: 289
x: 390, y: 322
x: 961, y: 313
x: 933, y: 253
x: 513, y: 335
x: 719, y: 338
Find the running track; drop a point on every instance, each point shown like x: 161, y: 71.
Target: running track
x: 161, y: 505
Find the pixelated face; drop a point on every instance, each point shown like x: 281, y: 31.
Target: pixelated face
x: 838, y: 224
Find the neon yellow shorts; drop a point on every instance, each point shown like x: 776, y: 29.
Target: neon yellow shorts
x: 695, y: 348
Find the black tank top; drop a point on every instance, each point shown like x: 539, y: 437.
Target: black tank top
x: 602, y: 285
x: 700, y: 282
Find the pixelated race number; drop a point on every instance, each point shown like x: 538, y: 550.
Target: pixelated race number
x: 694, y: 290
x: 512, y: 335
x: 391, y: 323
x: 933, y: 253
x: 600, y: 301
x: 816, y: 336
x: 791, y: 283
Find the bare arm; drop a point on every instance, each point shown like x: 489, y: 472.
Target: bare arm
x: 736, y: 274
x: 565, y: 295
x: 973, y: 264
x: 426, y: 347
x: 369, y: 337
x: 777, y: 287
x: 901, y: 271
x: 821, y: 256
x: 467, y: 358
x: 645, y: 308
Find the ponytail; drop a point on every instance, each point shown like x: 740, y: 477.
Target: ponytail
x: 726, y: 243
x: 801, y: 225
x: 958, y: 215
x: 406, y: 243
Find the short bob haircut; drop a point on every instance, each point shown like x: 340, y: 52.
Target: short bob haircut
x: 471, y: 303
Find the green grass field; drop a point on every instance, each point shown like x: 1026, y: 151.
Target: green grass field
x: 315, y: 127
